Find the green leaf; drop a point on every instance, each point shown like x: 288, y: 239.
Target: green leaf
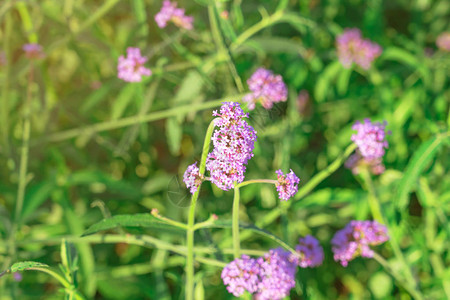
x: 343, y: 80
x: 416, y: 165
x: 174, y: 135
x: 26, y: 265
x: 323, y: 83
x: 122, y: 101
x: 137, y: 220
x: 190, y: 88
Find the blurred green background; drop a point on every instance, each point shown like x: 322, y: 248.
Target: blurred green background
x: 90, y: 156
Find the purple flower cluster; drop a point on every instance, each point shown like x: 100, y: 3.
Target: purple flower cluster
x: 192, y: 178
x: 287, y: 185
x: 355, y: 162
x: 233, y: 146
x: 355, y: 239
x: 240, y: 275
x: 131, y: 68
x: 270, y: 277
x: 33, y: 51
x: 266, y: 88
x: 443, y: 41
x: 170, y: 12
x: 370, y: 138
x: 310, y: 252
x: 352, y: 48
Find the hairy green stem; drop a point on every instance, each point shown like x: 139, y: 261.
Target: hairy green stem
x: 189, y: 290
x: 154, y: 116
x: 235, y: 223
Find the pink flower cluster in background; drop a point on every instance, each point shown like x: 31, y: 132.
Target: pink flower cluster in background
x: 170, y: 12
x: 354, y: 240
x: 370, y: 138
x: 443, y: 41
x: 266, y: 88
x: 130, y: 68
x: 352, y: 48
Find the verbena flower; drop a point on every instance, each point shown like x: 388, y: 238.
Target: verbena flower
x: 355, y: 162
x: 287, y: 185
x: 33, y: 51
x: 310, y: 252
x: 170, y: 12
x: 233, y: 146
x: 192, y: 177
x: 277, y: 275
x: 370, y: 138
x: 352, y: 48
x: 354, y: 240
x: 266, y: 88
x: 240, y: 275
x: 443, y: 41
x: 131, y: 68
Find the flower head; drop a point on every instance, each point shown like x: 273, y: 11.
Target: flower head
x: 287, y: 185
x: 277, y: 275
x: 355, y: 239
x: 266, y: 88
x: 240, y: 275
x: 33, y: 51
x: 443, y: 41
x: 192, y: 178
x: 370, y: 138
x: 355, y: 162
x: 233, y: 146
x: 170, y: 12
x: 352, y: 48
x: 310, y: 252
x: 131, y: 68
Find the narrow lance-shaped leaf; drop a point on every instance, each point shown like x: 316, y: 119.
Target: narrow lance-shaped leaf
x: 137, y: 220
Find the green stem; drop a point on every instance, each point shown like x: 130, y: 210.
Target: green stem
x: 265, y: 22
x: 410, y: 289
x: 154, y: 116
x: 6, y: 80
x: 191, y: 218
x: 235, y: 223
x: 247, y: 182
x: 375, y: 206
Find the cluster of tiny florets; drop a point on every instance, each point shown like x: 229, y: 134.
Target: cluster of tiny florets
x: 33, y: 51
x: 443, y: 41
x: 131, y: 68
x: 192, y: 177
x: 170, y: 12
x: 352, y: 48
x: 370, y: 138
x: 266, y: 88
x: 354, y: 240
x: 310, y: 252
x: 287, y: 185
x: 240, y: 275
x: 271, y: 276
x: 356, y: 162
x: 233, y: 146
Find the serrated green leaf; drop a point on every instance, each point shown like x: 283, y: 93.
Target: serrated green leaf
x: 137, y: 220
x: 416, y: 165
x: 26, y: 265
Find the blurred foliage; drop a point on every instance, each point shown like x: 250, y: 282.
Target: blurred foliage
x: 77, y: 178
